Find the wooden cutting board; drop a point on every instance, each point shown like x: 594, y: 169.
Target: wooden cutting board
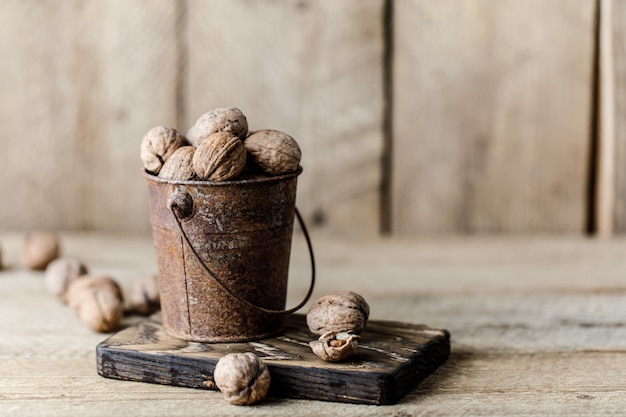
x: 391, y: 359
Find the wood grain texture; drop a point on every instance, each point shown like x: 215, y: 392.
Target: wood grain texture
x: 604, y: 176
x: 492, y: 112
x: 391, y: 359
x: 537, y: 328
x: 312, y: 69
x: 81, y: 83
x: 618, y: 52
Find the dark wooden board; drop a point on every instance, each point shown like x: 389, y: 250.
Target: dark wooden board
x: 392, y: 358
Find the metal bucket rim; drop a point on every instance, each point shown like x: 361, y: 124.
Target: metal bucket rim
x: 275, y: 178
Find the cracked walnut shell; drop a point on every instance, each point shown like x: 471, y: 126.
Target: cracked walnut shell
x: 335, y: 346
x: 157, y: 145
x: 338, y: 311
x: 220, y: 157
x: 273, y: 151
x: 243, y: 378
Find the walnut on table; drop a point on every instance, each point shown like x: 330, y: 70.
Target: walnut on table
x: 98, y: 302
x: 338, y: 311
x: 60, y: 274
x: 243, y: 378
x: 144, y: 297
x: 39, y: 249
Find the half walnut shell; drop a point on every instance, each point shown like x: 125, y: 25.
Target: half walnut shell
x: 335, y: 346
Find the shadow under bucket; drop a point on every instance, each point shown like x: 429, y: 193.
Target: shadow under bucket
x: 222, y: 252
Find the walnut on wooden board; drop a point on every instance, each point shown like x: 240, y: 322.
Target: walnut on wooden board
x: 39, y: 249
x: 144, y: 298
x: 335, y: 346
x: 98, y: 302
x: 220, y: 157
x: 223, y: 119
x: 338, y: 311
x: 179, y: 166
x: 157, y: 145
x: 243, y: 378
x: 60, y: 273
x: 273, y: 151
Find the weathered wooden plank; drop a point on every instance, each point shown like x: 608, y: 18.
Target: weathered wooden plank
x: 536, y: 328
x: 563, y: 383
x: 492, y: 112
x: 527, y: 323
x: 605, y: 156
x: 81, y: 82
x: 531, y: 384
x: 392, y: 358
x: 312, y: 69
x: 618, y: 54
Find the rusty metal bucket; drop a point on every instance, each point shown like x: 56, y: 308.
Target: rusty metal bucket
x: 222, y: 252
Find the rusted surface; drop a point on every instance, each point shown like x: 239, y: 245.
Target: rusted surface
x: 242, y: 231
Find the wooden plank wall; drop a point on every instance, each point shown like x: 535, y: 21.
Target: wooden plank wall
x: 312, y: 69
x: 618, y: 54
x: 437, y: 118
x: 491, y: 115
x: 81, y: 81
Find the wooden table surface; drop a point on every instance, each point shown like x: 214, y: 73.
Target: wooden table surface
x: 538, y: 327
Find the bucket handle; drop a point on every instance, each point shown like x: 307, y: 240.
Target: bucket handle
x: 180, y: 204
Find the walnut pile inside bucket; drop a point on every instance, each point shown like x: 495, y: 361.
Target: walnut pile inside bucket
x: 218, y: 147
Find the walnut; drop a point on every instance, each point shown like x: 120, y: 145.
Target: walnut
x: 338, y: 311
x: 179, y: 166
x: 98, y: 302
x: 40, y: 248
x: 273, y: 151
x: 60, y: 273
x: 229, y: 119
x: 144, y: 297
x: 335, y: 346
x: 157, y: 145
x: 242, y: 377
x: 220, y: 157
